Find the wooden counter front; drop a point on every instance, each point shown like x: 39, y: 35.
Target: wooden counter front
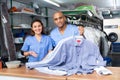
x: 95, y: 76
x: 26, y: 73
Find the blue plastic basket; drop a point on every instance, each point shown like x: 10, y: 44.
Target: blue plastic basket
x: 115, y: 47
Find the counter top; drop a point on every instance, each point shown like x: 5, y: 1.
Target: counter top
x: 95, y: 76
x: 26, y: 73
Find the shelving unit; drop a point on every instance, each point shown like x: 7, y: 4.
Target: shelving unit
x: 19, y: 20
x: 82, y: 17
x: 30, y: 14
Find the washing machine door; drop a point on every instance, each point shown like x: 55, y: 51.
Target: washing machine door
x: 113, y: 37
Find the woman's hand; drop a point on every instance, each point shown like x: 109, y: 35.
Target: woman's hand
x: 33, y: 53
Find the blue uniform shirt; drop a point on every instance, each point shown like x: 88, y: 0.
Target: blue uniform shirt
x: 71, y: 30
x: 41, y: 48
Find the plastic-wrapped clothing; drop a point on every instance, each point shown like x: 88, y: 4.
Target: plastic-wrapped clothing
x: 99, y: 38
x: 90, y: 34
x: 104, y: 47
x: 73, y: 55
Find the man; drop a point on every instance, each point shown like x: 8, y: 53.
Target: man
x: 63, y: 30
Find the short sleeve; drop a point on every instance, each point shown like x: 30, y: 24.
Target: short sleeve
x: 26, y: 45
x: 50, y: 46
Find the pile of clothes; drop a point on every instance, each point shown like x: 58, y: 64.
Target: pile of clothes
x: 73, y: 55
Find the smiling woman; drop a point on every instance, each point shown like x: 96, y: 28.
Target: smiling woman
x: 37, y: 45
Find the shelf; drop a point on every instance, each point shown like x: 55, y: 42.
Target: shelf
x: 21, y: 28
x: 28, y: 13
x: 75, y: 12
x: 18, y: 44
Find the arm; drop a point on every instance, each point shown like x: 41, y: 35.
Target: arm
x: 25, y: 48
x: 30, y: 53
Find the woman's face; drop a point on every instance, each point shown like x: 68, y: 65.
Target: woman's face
x: 81, y: 29
x: 37, y: 28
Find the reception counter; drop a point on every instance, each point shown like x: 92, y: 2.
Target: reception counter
x: 23, y: 73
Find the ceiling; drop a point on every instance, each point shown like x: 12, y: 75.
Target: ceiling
x: 97, y: 3
x: 70, y: 4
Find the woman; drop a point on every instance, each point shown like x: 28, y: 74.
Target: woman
x: 38, y: 44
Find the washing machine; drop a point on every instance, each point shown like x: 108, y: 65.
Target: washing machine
x: 112, y: 29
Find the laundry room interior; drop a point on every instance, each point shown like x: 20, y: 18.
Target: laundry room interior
x: 60, y: 39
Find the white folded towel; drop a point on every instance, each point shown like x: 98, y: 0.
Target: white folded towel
x: 103, y: 71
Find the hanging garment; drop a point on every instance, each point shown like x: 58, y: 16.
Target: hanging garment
x: 73, y: 55
x: 9, y: 46
x: 90, y: 35
x: 99, y: 38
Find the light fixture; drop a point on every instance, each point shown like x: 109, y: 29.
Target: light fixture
x: 51, y: 2
x: 114, y: 4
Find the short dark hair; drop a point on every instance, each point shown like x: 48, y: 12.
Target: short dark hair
x: 37, y: 20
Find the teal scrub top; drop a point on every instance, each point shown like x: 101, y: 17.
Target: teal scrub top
x: 41, y: 48
x: 71, y: 30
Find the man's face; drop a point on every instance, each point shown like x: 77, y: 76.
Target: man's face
x: 59, y: 19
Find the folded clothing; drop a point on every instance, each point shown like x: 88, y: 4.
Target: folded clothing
x: 103, y: 71
x: 49, y: 71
